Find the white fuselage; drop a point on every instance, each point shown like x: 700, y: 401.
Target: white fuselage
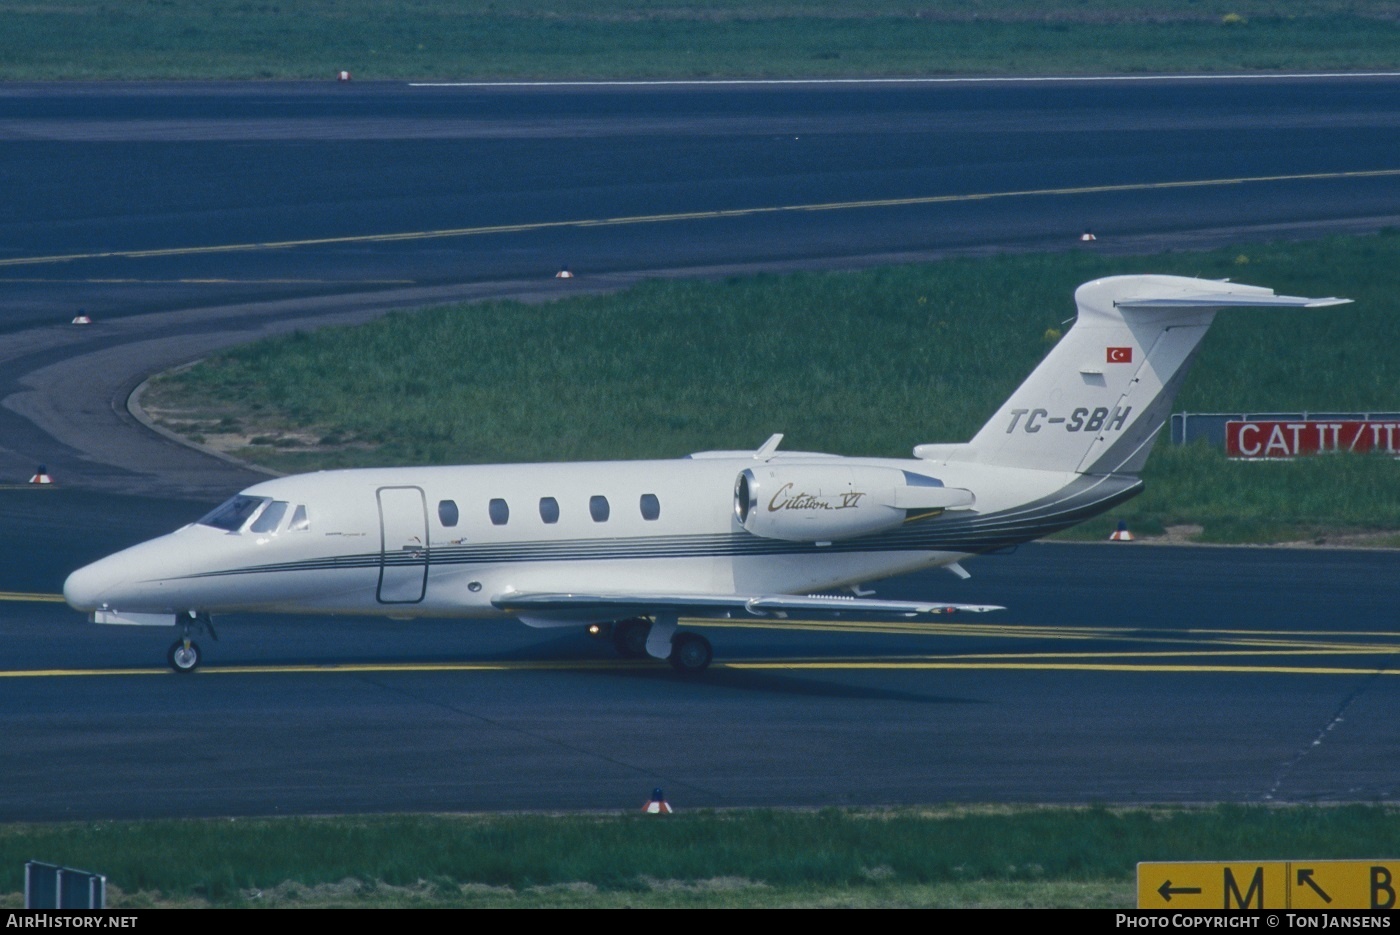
x: 446, y: 541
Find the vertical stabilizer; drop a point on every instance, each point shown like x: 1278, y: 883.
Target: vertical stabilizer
x: 1099, y: 399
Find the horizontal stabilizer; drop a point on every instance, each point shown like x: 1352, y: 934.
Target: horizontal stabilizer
x: 1099, y: 399
x: 544, y: 610
x: 1263, y: 299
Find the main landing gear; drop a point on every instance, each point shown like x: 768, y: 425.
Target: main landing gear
x: 184, y: 655
x: 638, y: 638
x: 690, y: 653
x: 630, y: 637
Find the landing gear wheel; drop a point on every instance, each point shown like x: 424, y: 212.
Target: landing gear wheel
x: 630, y: 638
x: 184, y: 653
x: 690, y: 653
x: 183, y: 656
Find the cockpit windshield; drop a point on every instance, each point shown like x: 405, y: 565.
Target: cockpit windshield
x: 233, y: 513
x: 268, y: 520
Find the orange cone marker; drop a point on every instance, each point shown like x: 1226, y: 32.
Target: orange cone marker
x: 658, y: 804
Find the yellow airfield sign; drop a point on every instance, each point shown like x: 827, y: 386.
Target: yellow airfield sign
x: 1269, y: 884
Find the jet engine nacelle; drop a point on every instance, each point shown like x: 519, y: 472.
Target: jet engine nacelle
x: 827, y: 502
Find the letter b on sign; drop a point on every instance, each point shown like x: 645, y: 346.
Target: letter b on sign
x: 1382, y: 889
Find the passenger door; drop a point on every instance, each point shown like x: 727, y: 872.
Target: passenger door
x: 403, y: 556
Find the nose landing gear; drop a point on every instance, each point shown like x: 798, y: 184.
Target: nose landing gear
x: 184, y: 655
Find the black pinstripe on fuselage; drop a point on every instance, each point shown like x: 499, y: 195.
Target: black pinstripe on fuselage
x: 966, y: 533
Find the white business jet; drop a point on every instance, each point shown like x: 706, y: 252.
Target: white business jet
x: 630, y: 547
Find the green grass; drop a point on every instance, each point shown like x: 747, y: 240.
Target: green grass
x: 949, y: 856
x: 859, y: 363
x: 475, y: 39
x: 1320, y: 500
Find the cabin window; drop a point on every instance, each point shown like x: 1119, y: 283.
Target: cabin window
x: 270, y: 518
x: 549, y: 509
x: 300, y: 521
x: 499, y: 511
x: 233, y: 513
x: 651, y: 507
x: 447, y: 512
x: 598, y: 509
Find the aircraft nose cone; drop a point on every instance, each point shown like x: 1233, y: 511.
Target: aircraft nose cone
x: 84, y: 588
x: 135, y: 580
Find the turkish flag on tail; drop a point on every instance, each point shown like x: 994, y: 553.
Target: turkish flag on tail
x: 1120, y: 355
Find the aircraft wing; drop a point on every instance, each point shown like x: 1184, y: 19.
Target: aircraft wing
x: 543, y: 610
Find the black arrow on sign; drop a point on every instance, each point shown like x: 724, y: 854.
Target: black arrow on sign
x: 1167, y: 890
x: 1305, y: 876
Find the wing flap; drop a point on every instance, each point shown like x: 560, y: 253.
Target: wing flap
x: 563, y: 609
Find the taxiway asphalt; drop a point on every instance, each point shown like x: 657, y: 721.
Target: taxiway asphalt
x: 190, y: 217
x: 1120, y: 674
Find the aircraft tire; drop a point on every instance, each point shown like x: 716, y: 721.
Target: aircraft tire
x: 690, y: 653
x: 630, y: 638
x: 181, y: 659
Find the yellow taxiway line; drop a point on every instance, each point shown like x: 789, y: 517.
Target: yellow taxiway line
x: 695, y: 216
x: 343, y: 668
x: 849, y: 665
x: 1249, y: 642
x: 813, y: 665
x: 1253, y: 642
x: 1227, y: 644
x: 31, y: 598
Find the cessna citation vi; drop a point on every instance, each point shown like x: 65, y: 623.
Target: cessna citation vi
x: 630, y: 547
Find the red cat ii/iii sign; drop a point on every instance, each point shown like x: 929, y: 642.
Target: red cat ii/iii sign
x: 1290, y: 439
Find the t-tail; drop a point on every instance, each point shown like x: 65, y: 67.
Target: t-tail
x: 1099, y: 399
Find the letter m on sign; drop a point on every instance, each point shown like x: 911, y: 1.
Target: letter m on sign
x: 1252, y: 898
